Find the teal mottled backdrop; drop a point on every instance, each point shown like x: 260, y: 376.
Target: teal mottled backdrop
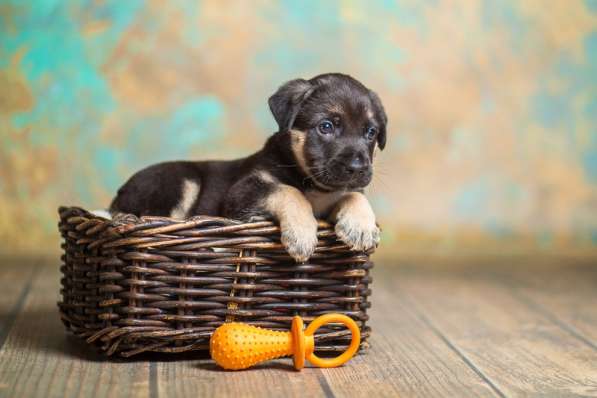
x: 492, y: 106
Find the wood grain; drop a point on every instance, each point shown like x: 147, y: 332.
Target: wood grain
x: 15, y: 283
x: 204, y: 379
x: 484, y: 331
x: 568, y: 297
x: 406, y: 358
x: 38, y: 359
x: 520, y: 351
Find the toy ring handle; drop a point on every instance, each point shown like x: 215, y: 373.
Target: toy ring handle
x: 346, y: 355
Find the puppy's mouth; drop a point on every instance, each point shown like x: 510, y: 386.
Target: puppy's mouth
x: 335, y: 176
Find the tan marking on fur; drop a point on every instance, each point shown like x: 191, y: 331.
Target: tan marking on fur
x: 370, y: 115
x: 266, y: 176
x: 190, y: 191
x: 298, y: 149
x: 323, y: 202
x: 297, y: 223
x: 357, y: 205
x: 335, y: 108
x: 355, y: 222
x: 287, y: 201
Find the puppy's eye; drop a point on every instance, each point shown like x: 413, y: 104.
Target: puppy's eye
x: 326, y: 127
x: 370, y: 133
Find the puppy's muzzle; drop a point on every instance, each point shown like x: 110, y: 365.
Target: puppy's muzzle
x: 356, y: 167
x: 353, y: 170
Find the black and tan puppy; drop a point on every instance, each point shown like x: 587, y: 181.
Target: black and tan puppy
x: 316, y: 165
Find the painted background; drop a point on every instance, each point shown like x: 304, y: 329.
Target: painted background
x: 492, y: 107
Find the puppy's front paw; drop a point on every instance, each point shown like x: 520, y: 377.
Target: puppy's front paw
x: 300, y: 238
x: 359, y: 233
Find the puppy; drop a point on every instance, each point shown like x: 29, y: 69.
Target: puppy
x: 316, y: 165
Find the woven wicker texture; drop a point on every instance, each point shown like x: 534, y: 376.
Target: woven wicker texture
x: 154, y: 284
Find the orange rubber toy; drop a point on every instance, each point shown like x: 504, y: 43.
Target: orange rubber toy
x: 236, y: 346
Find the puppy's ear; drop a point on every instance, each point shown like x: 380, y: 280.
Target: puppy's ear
x: 383, y: 118
x: 286, y: 102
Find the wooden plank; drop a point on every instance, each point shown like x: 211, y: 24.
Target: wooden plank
x: 566, y: 295
x: 520, y: 351
x: 455, y: 332
x: 39, y: 359
x: 15, y: 283
x: 406, y: 358
x: 204, y: 379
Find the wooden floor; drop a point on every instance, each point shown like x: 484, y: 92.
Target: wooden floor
x: 487, y: 328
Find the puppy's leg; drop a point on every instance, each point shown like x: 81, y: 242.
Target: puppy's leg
x: 259, y: 195
x: 355, y: 222
x: 297, y: 223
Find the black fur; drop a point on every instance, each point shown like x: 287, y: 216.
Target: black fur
x: 234, y: 189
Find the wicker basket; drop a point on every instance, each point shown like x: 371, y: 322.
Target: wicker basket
x: 154, y: 284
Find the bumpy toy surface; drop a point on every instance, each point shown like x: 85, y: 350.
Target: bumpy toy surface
x: 237, y: 345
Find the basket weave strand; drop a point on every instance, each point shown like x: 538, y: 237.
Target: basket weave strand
x: 154, y: 284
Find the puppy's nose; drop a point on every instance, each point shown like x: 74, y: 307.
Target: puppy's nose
x: 357, y: 165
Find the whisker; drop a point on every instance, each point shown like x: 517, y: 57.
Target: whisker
x: 315, y: 175
x: 378, y: 180
x: 296, y: 165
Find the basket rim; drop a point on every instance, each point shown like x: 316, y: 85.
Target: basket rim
x: 127, y: 230
x: 128, y: 218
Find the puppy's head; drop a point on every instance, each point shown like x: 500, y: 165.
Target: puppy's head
x: 335, y: 123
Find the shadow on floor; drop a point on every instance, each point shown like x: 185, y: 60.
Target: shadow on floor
x: 42, y: 330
